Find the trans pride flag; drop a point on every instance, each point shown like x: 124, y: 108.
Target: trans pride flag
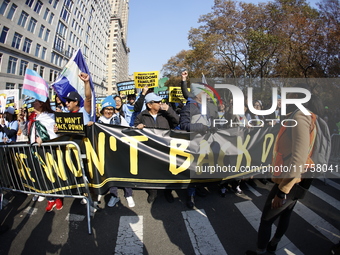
x: 35, y: 86
x: 68, y: 80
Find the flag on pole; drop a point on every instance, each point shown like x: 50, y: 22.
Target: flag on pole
x: 69, y: 80
x: 35, y: 86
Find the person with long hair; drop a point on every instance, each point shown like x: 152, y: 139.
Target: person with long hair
x: 40, y: 128
x: 10, y: 125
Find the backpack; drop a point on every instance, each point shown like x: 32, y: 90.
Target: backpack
x: 320, y: 144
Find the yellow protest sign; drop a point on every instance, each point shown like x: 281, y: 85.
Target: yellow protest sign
x: 146, y: 78
x: 176, y: 95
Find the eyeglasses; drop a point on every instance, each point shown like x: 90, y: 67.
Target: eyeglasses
x: 118, y: 101
x: 109, y: 109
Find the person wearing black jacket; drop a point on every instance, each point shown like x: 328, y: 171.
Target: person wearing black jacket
x: 157, y: 115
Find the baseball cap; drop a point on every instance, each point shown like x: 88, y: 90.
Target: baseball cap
x: 73, y: 96
x: 152, y: 97
x: 10, y: 110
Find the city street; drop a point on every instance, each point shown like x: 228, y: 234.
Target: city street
x: 217, y: 225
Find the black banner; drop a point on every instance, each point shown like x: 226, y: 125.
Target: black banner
x: 148, y: 158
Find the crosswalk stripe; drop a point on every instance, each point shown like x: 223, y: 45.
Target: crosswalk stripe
x: 130, y: 235
x: 74, y: 217
x: 325, y: 197
x: 317, y: 222
x: 31, y: 211
x: 330, y: 183
x: 254, y: 191
x: 202, y: 235
x: 253, y: 215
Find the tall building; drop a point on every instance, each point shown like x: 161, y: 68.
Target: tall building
x: 118, y: 51
x: 43, y: 34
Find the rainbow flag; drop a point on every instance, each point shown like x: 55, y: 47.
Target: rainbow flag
x: 35, y: 86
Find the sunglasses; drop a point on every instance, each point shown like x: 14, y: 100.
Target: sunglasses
x: 109, y: 109
x: 156, y: 102
x: 70, y: 101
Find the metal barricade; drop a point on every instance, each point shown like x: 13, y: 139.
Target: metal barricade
x: 54, y: 169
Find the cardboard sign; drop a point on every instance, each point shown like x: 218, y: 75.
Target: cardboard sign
x: 126, y: 88
x: 176, y: 95
x: 70, y: 123
x: 146, y: 78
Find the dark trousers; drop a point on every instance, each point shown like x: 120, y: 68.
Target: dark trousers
x: 269, y: 215
x: 127, y: 191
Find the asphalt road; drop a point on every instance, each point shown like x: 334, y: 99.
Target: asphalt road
x: 216, y: 225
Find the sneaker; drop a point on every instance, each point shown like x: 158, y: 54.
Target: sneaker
x: 152, y: 196
x: 41, y: 198
x: 59, y: 204
x: 130, y: 201
x: 223, y: 191
x: 83, y: 201
x: 168, y: 196
x: 113, y: 201
x: 271, y: 248
x: 50, y: 205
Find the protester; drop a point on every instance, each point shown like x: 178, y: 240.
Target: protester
x: 60, y: 106
x: 73, y: 99
x: 40, y: 128
x: 128, y: 109
x: 109, y: 117
x: 192, y: 120
x: 119, y: 113
x: 10, y: 125
x: 291, y: 149
x: 157, y: 115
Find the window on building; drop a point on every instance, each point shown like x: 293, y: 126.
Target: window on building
x: 27, y: 45
x: 3, y: 36
x: 35, y: 67
x: 22, y: 19
x: 47, y: 11
x: 68, y: 4
x: 16, y: 40
x: 10, y: 85
x: 23, y: 66
x: 3, y: 6
x: 41, y: 31
x: 47, y: 34
x: 41, y: 72
x: 65, y: 15
x: 37, y: 7
x: 37, y: 50
x: 29, y: 2
x: 43, y: 53
x: 50, y: 20
x: 31, y: 25
x: 20, y: 90
x: 11, y: 11
x: 12, y: 65
x: 59, y: 43
x: 55, y: 3
x: 61, y: 29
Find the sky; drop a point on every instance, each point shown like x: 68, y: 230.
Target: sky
x: 158, y: 30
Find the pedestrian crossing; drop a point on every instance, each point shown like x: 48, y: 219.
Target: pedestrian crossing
x: 205, y: 241
x: 202, y: 233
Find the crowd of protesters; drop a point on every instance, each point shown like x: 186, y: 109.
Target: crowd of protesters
x: 146, y: 110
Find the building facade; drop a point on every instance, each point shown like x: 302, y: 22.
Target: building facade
x: 118, y: 51
x: 43, y: 34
